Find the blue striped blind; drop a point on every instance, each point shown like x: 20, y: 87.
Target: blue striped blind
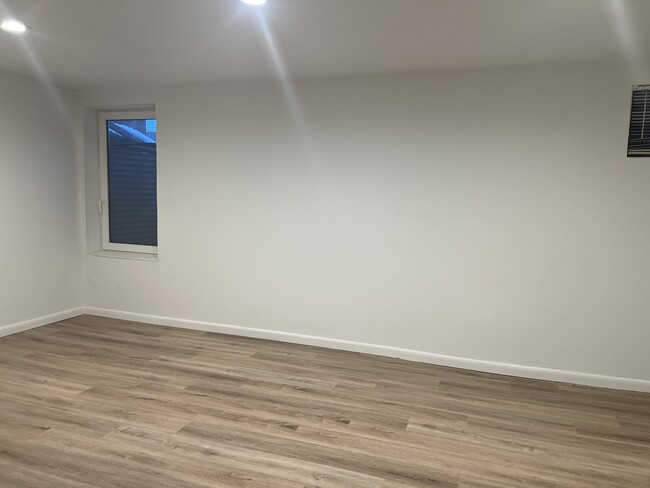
x: 132, y: 202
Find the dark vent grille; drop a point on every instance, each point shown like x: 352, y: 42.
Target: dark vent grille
x: 638, y: 143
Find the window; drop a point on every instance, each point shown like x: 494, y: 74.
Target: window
x: 129, y: 209
x: 638, y: 143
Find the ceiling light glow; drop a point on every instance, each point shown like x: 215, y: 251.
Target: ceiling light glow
x: 14, y: 26
x: 254, y: 2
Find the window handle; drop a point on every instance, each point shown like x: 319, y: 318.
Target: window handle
x: 100, y: 207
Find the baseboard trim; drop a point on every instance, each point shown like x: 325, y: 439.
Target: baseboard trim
x: 6, y: 330
x: 534, y: 372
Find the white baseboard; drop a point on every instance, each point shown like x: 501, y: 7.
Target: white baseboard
x: 6, y: 330
x: 535, y: 372
x: 557, y: 375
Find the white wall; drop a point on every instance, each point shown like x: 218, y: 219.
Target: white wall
x: 488, y: 214
x: 40, y: 241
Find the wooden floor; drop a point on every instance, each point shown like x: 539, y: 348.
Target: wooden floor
x: 94, y: 402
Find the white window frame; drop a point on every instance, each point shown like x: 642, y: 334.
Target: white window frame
x: 103, y: 206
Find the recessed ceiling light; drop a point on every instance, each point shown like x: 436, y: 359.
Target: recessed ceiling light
x: 14, y: 26
x: 254, y: 2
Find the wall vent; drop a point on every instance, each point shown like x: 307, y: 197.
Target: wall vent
x: 638, y: 143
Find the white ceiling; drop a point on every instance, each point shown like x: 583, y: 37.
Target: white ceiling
x: 89, y: 42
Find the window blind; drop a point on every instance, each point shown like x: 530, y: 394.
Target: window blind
x: 132, y: 184
x: 639, y: 138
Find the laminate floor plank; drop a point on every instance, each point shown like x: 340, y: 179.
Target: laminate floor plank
x: 97, y: 402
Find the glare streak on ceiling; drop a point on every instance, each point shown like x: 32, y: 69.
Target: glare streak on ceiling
x: 39, y: 70
x: 636, y: 58
x: 83, y: 43
x: 287, y: 88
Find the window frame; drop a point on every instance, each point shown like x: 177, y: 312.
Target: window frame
x: 103, y: 205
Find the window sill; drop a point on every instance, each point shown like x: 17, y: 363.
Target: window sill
x: 137, y: 256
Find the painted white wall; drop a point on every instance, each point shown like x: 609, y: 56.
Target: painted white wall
x: 490, y: 214
x: 40, y: 240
